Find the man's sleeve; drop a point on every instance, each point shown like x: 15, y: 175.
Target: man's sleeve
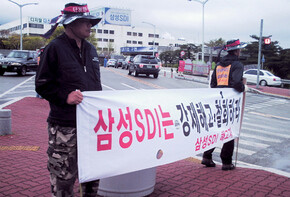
x: 46, y: 83
x: 237, y: 77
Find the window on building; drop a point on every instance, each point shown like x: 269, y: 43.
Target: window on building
x: 93, y: 30
x: 112, y: 32
x: 128, y: 41
x: 134, y: 33
x: 38, y: 26
x: 134, y: 42
x: 106, y: 31
x: 140, y: 42
x: 150, y: 43
x: 111, y: 40
x: 156, y: 35
x: 150, y: 35
x: 156, y: 43
x: 105, y: 49
x: 100, y: 39
x: 111, y: 49
x: 129, y: 33
x: 99, y: 49
x: 100, y: 31
x: 176, y: 45
x: 140, y: 34
x: 105, y: 40
x: 24, y: 25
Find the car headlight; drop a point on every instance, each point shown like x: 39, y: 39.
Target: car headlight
x: 15, y: 64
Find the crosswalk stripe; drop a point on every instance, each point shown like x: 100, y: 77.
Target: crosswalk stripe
x: 241, y: 150
x: 255, y: 144
x: 256, y: 137
x: 269, y: 115
x: 266, y: 132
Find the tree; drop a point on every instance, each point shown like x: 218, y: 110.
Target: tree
x: 33, y: 42
x: 216, y: 43
x: 12, y: 42
x: 93, y: 40
x: 272, y: 55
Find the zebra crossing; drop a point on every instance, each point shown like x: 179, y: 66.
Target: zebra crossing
x: 254, y: 136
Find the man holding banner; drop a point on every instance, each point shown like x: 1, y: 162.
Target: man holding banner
x: 227, y: 73
x: 69, y: 65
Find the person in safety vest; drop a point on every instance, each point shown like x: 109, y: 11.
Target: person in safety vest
x: 227, y: 73
x: 68, y: 66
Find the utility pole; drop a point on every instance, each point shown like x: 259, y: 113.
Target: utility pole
x: 259, y: 55
x: 20, y: 6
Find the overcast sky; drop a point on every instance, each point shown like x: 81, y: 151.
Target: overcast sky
x: 227, y: 19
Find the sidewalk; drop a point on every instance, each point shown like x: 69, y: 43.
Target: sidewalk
x: 266, y: 90
x: 23, y: 165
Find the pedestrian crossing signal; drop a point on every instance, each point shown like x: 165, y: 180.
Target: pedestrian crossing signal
x: 267, y: 41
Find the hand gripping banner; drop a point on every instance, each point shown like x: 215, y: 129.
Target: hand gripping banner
x: 125, y: 131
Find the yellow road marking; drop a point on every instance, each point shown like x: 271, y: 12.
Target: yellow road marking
x: 27, y: 148
x: 136, y: 79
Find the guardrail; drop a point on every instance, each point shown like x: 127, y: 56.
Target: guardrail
x: 285, y: 82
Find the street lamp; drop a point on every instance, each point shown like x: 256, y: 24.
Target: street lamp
x: 153, y: 35
x: 203, y: 3
x: 20, y: 6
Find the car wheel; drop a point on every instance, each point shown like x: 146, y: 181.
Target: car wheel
x: 147, y: 75
x: 2, y: 72
x: 22, y: 72
x: 156, y: 75
x: 136, y: 73
x: 263, y: 83
x: 129, y: 72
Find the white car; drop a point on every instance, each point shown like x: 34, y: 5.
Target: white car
x: 111, y: 62
x: 265, y: 77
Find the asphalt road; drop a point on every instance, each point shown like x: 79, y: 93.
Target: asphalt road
x: 265, y: 135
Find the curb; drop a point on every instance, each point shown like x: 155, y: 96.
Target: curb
x: 253, y: 90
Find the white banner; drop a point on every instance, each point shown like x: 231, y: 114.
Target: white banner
x: 128, y: 130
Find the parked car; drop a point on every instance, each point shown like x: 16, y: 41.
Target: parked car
x: 144, y: 64
x: 265, y: 77
x: 20, y: 61
x: 111, y: 62
x: 128, y: 61
x: 119, y: 63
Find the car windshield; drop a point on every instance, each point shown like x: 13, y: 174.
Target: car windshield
x: 18, y: 54
x: 149, y: 60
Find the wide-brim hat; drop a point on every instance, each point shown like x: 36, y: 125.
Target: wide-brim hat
x: 74, y: 11
x: 235, y: 45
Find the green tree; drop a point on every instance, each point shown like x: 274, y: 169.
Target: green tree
x: 216, y: 43
x: 33, y: 42
x: 12, y: 42
x: 93, y: 40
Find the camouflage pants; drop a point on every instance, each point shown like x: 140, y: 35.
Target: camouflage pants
x: 62, y: 162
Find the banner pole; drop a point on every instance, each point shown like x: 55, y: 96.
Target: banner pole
x: 81, y: 190
x: 242, y: 115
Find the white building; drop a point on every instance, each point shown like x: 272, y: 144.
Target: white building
x: 113, y: 32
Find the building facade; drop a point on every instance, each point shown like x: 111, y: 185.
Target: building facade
x: 113, y: 32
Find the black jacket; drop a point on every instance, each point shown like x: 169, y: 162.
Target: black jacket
x: 64, y: 68
x: 233, y: 78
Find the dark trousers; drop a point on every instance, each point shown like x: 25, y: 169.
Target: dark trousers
x: 226, y: 153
